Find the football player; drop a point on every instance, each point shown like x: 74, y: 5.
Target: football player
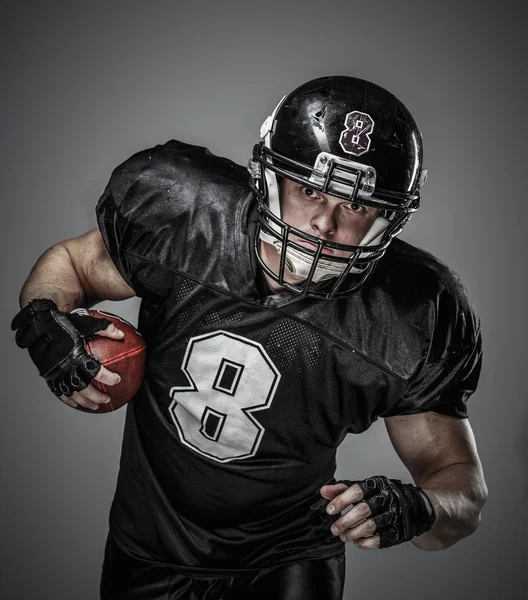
x: 281, y: 312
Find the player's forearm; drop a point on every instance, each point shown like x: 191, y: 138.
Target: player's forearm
x: 53, y: 276
x: 458, y: 494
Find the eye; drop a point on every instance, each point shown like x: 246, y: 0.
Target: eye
x: 309, y: 192
x: 355, y: 207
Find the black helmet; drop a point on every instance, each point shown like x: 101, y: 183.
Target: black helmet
x: 349, y: 138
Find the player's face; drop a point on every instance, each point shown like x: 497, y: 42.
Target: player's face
x: 321, y: 215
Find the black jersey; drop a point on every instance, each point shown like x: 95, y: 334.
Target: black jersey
x: 248, y: 395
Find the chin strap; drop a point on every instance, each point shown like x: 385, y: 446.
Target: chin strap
x: 299, y: 262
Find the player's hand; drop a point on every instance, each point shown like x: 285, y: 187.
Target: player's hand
x: 90, y: 396
x: 56, y: 343
x: 383, y: 512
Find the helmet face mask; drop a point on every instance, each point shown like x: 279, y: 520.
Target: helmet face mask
x: 322, y: 137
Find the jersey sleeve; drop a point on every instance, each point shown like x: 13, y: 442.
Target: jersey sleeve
x: 160, y: 210
x: 114, y: 211
x: 450, y: 372
x: 137, y: 219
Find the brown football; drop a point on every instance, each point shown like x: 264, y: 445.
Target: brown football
x: 125, y: 356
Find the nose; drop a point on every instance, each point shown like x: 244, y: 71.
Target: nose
x: 324, y: 220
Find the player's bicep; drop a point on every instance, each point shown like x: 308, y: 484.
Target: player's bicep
x: 428, y: 442
x: 95, y: 269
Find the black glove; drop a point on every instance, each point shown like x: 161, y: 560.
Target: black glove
x: 55, y: 341
x: 399, y: 510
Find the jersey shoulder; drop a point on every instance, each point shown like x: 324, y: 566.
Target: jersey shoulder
x: 164, y: 200
x: 416, y: 277
x: 157, y: 190
x: 173, y: 166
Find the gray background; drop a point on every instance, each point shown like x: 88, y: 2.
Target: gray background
x: 84, y: 85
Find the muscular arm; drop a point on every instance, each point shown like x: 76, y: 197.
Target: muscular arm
x: 441, y: 455
x: 77, y: 272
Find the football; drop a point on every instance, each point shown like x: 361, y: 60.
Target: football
x: 125, y: 356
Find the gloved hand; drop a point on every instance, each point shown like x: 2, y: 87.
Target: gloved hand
x: 386, y: 509
x: 55, y: 341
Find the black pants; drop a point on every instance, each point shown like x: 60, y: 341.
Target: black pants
x: 127, y: 578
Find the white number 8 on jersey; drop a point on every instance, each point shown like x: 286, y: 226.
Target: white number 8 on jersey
x: 230, y: 377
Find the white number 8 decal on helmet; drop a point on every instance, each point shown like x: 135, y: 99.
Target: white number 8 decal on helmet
x: 355, y: 139
x: 230, y: 377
